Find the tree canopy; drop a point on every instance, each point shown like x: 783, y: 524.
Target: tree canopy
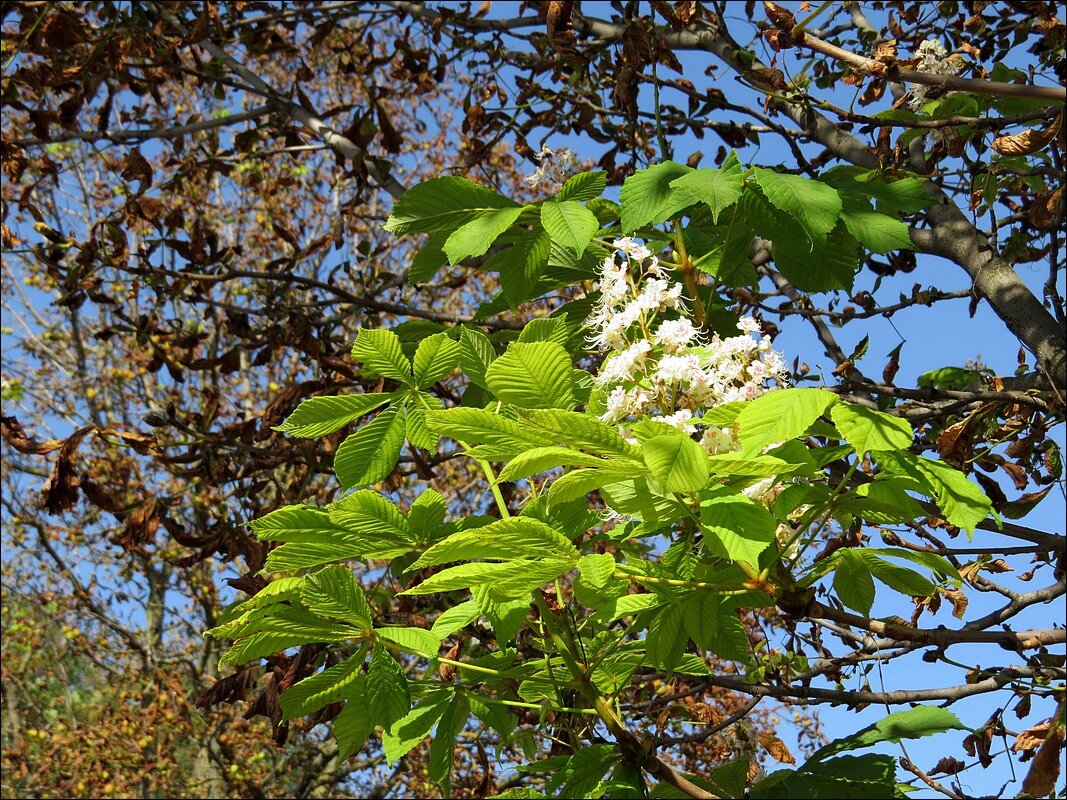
x: 533, y: 399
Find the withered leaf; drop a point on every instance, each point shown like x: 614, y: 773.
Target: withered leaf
x: 948, y: 766
x: 60, y: 491
x: 13, y: 433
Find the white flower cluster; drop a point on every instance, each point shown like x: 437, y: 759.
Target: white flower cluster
x: 662, y: 366
x: 553, y: 168
x: 934, y: 59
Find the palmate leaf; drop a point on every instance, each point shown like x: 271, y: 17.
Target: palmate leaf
x: 878, y: 232
x: 667, y: 639
x: 570, y: 224
x: 737, y: 527
x: 475, y: 237
x: 962, y: 502
x: 533, y: 375
x: 415, y: 429
x: 435, y: 357
x: 781, y: 415
x: 356, y: 721
x: 419, y: 641
x: 387, y: 688
x: 284, y: 627
x: 476, y: 353
x: 510, y: 579
x: 319, y: 416
x: 321, y: 689
x: 581, y: 431
x: 853, y: 582
x: 867, y: 429
x: 914, y: 723
x: 730, y: 263
x: 712, y: 623
x: 452, y: 723
x: 647, y: 196
x: 415, y: 725
x: 503, y: 540
x: 583, y: 186
x: 479, y: 426
x: 522, y: 267
x: 369, y: 454
x: 335, y: 592
x: 679, y: 463
x: 368, y: 512
x: 717, y: 188
x: 443, y: 204
x: 815, y: 206
x: 454, y: 618
x: 428, y: 260
x: 382, y: 354
x: 540, y: 459
x: 295, y: 524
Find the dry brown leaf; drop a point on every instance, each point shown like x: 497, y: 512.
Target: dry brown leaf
x: 1041, y: 779
x: 1047, y: 209
x: 776, y: 747
x: 1029, y: 141
x: 1031, y: 738
x: 948, y: 766
x: 886, y: 52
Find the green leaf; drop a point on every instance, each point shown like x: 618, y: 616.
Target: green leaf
x: 547, y: 329
x: 476, y: 353
x: 455, y: 618
x: 731, y: 264
x: 577, y: 430
x: 820, y: 267
x: 737, y: 465
x: 583, y: 186
x: 914, y: 723
x: 962, y: 503
x: 540, y: 459
x: 319, y: 416
x: 503, y: 540
x: 452, y: 723
x: 678, y: 462
x: 569, y: 223
x: 443, y: 204
x: 321, y: 689
x: 586, y: 768
x: 522, y: 266
x: 741, y: 528
x: 423, y: 642
x: 399, y: 740
x: 712, y: 623
x: 718, y: 188
x: 356, y: 722
x: 853, y: 582
x: 533, y: 375
x: 387, y: 688
x: 368, y: 512
x: 281, y: 627
x: 476, y: 425
x: 867, y: 429
x: 369, y: 454
x: 506, y: 616
x: 477, y: 236
x: 814, y: 205
x: 647, y: 197
x: 878, y: 232
x: 294, y: 523
x: 428, y: 260
x: 509, y: 579
x: 581, y: 482
x: 900, y: 579
x: 415, y: 429
x: 666, y: 639
x: 381, y: 353
x: 781, y: 415
x: 334, y: 592
x: 435, y: 357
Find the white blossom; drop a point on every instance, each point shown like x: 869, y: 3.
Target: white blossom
x: 675, y: 334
